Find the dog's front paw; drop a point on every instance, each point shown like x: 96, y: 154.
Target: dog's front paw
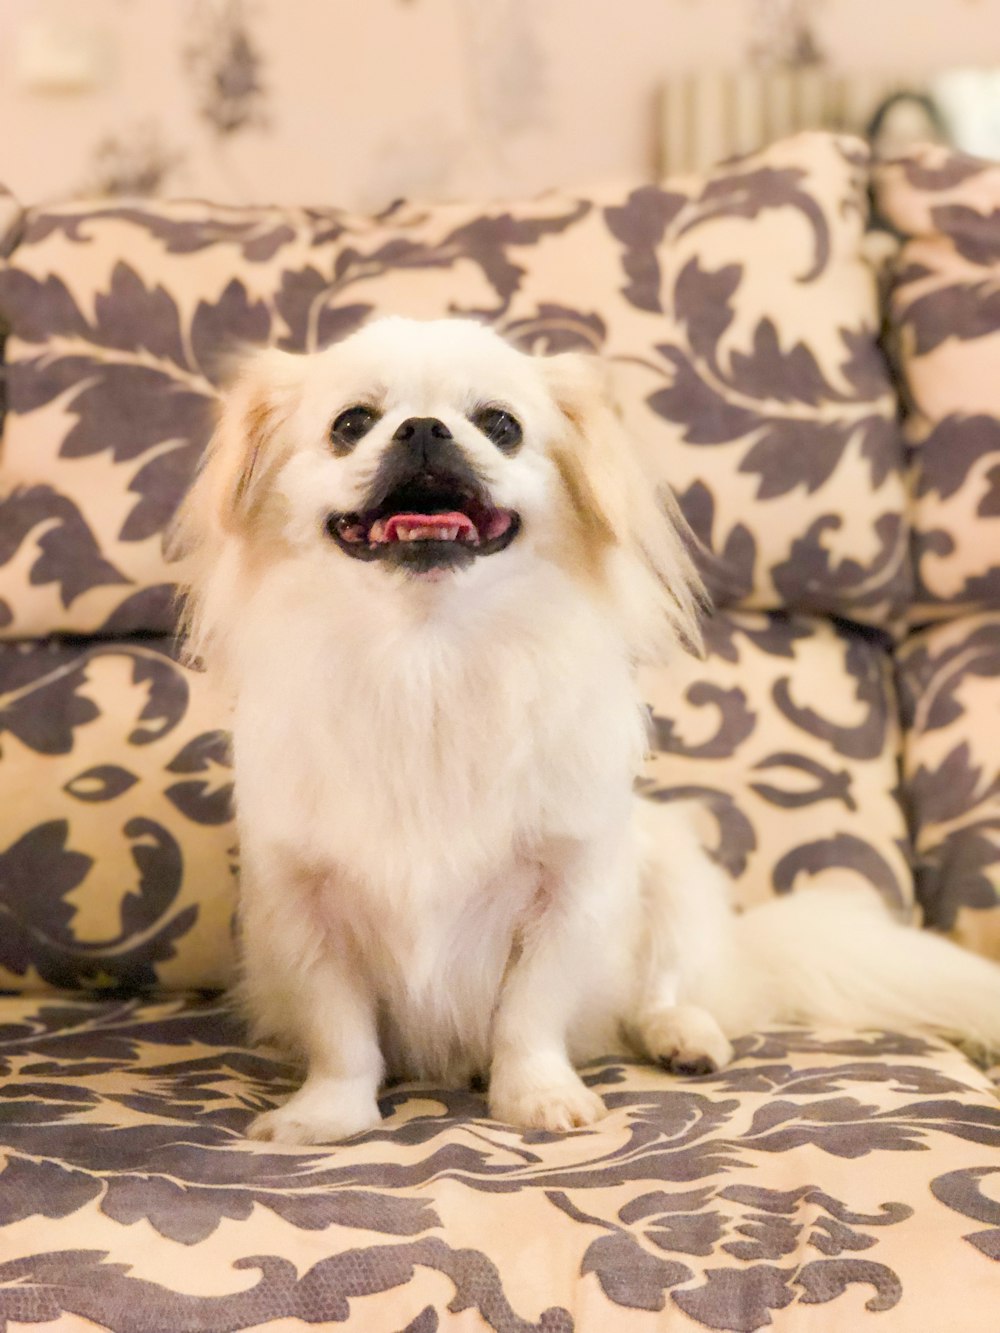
x: 685, y: 1039
x: 320, y: 1112
x: 548, y: 1096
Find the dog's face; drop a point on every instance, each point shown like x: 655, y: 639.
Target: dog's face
x: 427, y: 444
x: 427, y: 451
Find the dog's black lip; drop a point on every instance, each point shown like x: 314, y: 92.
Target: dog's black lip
x: 430, y: 492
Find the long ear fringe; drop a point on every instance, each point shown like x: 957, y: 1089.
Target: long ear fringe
x: 658, y: 588
x: 220, y: 504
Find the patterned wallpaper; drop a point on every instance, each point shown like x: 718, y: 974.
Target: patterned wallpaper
x: 356, y: 102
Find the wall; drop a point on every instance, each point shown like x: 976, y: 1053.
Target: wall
x: 356, y: 102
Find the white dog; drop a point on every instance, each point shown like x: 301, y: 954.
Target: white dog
x: 425, y: 565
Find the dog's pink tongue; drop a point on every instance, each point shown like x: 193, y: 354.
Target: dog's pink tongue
x: 428, y: 525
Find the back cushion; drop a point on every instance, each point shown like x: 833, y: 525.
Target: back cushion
x: 944, y: 308
x: 788, y: 732
x: 118, y: 848
x: 741, y: 323
x: 736, y: 308
x: 950, y: 690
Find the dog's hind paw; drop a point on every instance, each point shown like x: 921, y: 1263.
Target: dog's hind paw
x: 684, y: 1039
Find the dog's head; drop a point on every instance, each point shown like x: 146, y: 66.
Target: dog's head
x: 428, y: 451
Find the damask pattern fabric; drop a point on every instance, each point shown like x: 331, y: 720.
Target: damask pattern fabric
x: 788, y: 732
x: 822, y: 1178
x: 736, y: 308
x: 10, y: 220
x: 944, y: 307
x: 950, y: 694
x: 825, y: 1180
x: 117, y: 845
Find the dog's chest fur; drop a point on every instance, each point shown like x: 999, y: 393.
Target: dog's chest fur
x: 428, y: 768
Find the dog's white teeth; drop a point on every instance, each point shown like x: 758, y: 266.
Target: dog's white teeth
x: 377, y: 531
x: 448, y: 534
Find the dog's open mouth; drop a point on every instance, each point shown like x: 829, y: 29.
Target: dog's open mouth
x: 425, y: 525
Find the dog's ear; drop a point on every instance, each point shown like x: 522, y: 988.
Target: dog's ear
x: 247, y: 447
x: 627, y: 527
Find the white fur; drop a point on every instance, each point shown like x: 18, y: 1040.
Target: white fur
x: 442, y: 870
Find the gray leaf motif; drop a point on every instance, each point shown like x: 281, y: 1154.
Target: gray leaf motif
x: 962, y: 870
x: 726, y: 564
x: 825, y: 1279
x: 975, y: 235
x: 737, y: 722
x: 217, y: 327
x: 41, y: 700
x: 311, y: 306
x: 129, y: 409
x: 962, y: 1191
x: 965, y: 311
x: 953, y: 787
x: 103, y: 782
x: 37, y: 871
x: 953, y: 169
x: 736, y: 835
x: 202, y: 801
x: 258, y: 236
x: 131, y: 317
x: 702, y: 305
x: 69, y: 556
x: 828, y: 785
x: 81, y: 1282
x: 39, y: 309
x: 641, y: 224
x: 629, y: 1276
x: 557, y: 328
x: 812, y: 578
x: 167, y: 700
x: 744, y: 193
x: 157, y: 856
x: 863, y: 740
x: 952, y: 449
x: 708, y: 416
x: 768, y: 371
x: 738, y: 1300
x: 840, y: 851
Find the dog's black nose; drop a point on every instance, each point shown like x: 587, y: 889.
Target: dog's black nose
x: 419, y: 430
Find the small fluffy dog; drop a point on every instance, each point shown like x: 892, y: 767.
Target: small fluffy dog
x: 425, y: 566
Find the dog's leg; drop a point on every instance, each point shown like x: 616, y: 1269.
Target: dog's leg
x: 532, y: 1081
x: 685, y: 933
x: 300, y: 981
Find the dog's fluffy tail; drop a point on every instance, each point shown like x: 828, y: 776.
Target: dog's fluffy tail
x: 835, y: 955
x: 825, y: 955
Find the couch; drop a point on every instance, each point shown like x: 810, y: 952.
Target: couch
x: 808, y: 352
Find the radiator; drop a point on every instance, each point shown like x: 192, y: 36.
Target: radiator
x: 710, y: 116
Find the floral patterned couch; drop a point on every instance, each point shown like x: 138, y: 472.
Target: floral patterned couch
x: 833, y: 432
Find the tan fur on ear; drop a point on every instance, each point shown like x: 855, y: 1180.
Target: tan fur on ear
x: 626, y: 530
x: 228, y: 496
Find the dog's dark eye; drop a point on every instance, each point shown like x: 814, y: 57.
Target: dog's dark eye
x: 349, y: 427
x: 500, y: 427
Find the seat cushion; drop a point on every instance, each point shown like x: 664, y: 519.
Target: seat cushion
x: 736, y: 308
x: 857, y: 1173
